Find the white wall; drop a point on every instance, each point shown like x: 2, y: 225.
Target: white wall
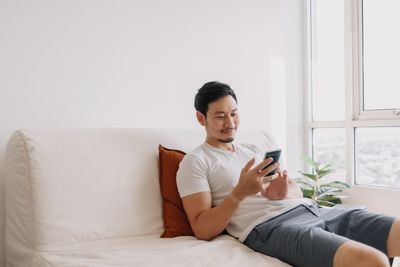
x: 104, y: 63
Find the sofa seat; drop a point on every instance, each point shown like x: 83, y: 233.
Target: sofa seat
x: 151, y: 250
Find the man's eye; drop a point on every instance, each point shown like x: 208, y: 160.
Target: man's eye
x: 220, y: 117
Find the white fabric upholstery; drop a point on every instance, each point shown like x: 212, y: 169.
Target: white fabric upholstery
x: 91, y: 197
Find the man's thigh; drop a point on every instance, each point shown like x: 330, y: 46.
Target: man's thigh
x: 360, y: 225
x: 299, y: 244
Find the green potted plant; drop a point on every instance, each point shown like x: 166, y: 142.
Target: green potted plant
x: 314, y: 187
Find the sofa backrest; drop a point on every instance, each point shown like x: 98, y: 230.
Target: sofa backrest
x: 67, y: 186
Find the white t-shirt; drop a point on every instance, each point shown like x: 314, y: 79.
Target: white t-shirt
x: 211, y: 169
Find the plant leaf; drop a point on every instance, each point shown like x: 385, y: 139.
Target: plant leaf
x: 305, y: 181
x: 307, y: 193
x: 322, y: 173
x: 311, y: 176
x: 305, y: 186
x: 309, y: 161
x: 336, y: 184
x: 327, y: 166
x: 325, y: 203
x: 323, y: 189
x: 329, y: 200
x: 326, y: 193
x: 328, y: 197
x: 329, y: 193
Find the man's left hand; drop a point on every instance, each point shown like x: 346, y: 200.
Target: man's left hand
x: 278, y: 188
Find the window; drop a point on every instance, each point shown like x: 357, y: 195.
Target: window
x: 378, y: 156
x: 329, y: 147
x: 353, y: 91
x: 328, y: 82
x: 381, y: 56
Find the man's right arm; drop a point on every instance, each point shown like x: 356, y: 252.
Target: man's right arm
x: 206, y: 221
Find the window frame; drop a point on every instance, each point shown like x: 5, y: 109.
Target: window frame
x: 355, y: 17
x: 355, y: 116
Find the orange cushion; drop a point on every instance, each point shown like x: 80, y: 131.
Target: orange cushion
x: 175, y: 220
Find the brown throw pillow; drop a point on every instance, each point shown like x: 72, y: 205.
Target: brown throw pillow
x: 175, y: 221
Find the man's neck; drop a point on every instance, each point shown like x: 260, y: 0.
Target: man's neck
x: 221, y: 145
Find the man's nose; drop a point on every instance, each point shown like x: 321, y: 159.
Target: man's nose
x: 229, y: 121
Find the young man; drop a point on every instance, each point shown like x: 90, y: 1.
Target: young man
x: 222, y: 187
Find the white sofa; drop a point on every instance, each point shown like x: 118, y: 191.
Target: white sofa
x: 91, y: 197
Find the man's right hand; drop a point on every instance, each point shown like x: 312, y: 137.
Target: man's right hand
x: 253, y: 180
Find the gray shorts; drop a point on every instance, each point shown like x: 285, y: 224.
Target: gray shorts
x: 310, y: 236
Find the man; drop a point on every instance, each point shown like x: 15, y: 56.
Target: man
x: 222, y: 187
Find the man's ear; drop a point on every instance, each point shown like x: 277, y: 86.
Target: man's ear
x: 201, y: 118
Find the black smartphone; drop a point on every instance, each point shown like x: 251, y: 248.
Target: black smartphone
x: 275, y: 155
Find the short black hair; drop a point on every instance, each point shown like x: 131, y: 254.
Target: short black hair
x: 209, y: 93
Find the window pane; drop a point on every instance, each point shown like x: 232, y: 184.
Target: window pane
x: 328, y: 148
x: 381, y: 54
x: 378, y: 156
x: 328, y: 67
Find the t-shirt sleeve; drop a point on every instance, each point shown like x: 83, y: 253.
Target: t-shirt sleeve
x: 192, y: 176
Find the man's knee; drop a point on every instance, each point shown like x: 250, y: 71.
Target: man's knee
x: 356, y: 254
x: 393, y: 243
x: 374, y: 258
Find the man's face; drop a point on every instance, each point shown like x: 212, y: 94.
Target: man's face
x: 222, y: 120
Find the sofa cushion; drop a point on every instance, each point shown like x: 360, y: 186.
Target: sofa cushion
x: 175, y: 220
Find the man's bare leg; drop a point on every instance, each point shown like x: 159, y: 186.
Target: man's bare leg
x: 356, y: 254
x: 393, y: 243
